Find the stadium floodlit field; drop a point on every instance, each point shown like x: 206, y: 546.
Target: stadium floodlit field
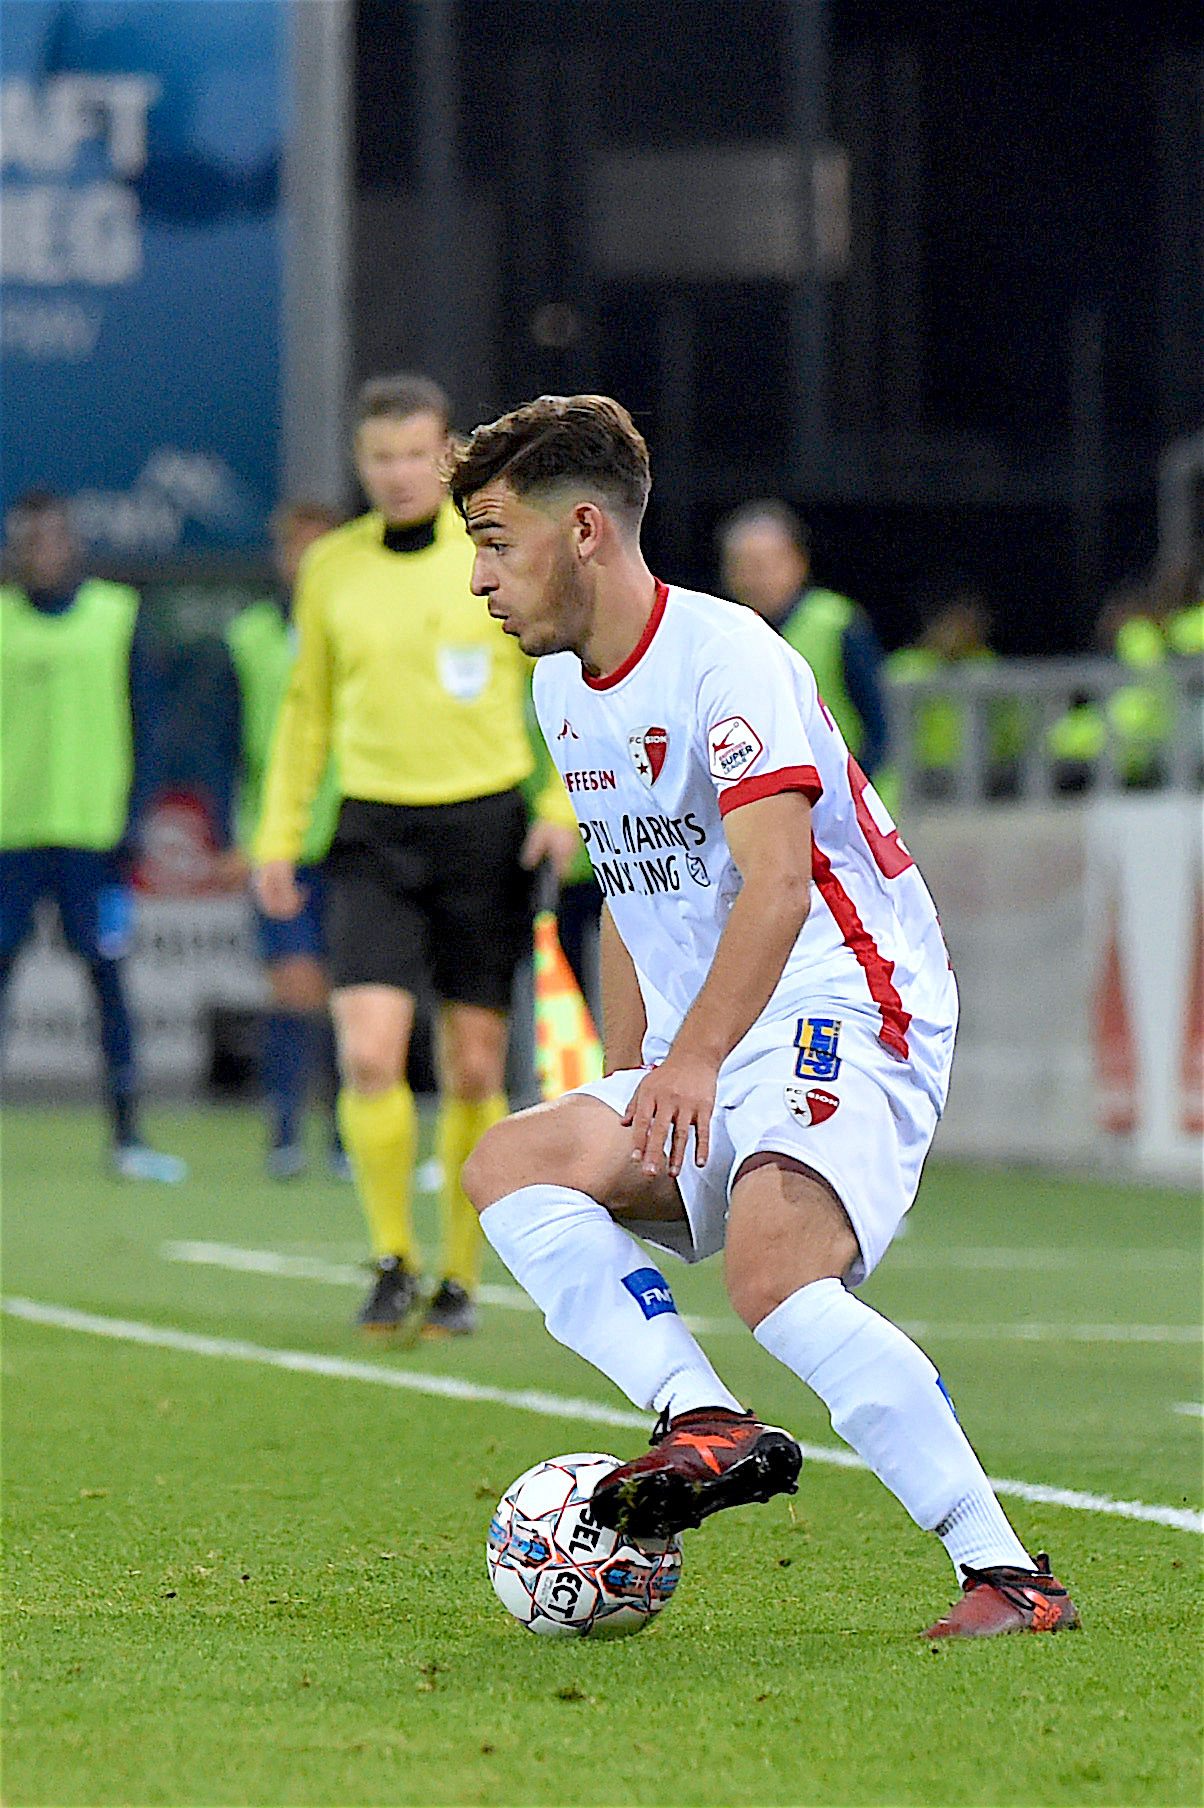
x: 244, y: 1550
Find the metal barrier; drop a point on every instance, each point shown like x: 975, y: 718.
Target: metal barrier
x: 1041, y: 694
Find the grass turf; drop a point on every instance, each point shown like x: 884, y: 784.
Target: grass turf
x: 233, y: 1584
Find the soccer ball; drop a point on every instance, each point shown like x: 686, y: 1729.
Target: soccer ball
x: 559, y: 1572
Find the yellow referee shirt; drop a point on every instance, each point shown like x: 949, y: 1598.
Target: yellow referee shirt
x: 403, y: 675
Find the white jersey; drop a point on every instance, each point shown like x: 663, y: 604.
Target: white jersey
x: 710, y: 711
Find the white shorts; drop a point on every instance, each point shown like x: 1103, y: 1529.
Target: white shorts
x: 820, y: 1089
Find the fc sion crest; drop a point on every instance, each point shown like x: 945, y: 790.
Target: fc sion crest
x: 648, y: 747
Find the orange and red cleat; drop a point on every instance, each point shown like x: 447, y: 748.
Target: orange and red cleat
x: 1008, y: 1600
x: 699, y: 1463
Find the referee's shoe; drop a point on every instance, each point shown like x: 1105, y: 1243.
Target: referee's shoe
x: 394, y: 1300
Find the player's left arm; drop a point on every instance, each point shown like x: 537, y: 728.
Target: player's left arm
x: 770, y: 842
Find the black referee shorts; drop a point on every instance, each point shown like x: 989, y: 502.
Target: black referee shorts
x: 430, y: 896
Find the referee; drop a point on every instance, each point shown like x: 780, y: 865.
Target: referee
x: 403, y: 676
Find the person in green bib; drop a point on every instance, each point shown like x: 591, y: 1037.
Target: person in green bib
x: 298, y: 1038
x: 765, y: 555
x: 76, y: 722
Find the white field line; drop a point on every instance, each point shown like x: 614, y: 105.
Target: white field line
x: 906, y: 1253
x: 313, y: 1268
x: 554, y: 1406
x: 1193, y: 1409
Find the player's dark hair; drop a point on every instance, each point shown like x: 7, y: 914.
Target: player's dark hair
x: 583, y: 439
x: 398, y: 397
x: 766, y: 508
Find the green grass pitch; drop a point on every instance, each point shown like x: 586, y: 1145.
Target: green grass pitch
x: 228, y: 1582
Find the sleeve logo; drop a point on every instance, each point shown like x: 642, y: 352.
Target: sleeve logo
x: 732, y: 747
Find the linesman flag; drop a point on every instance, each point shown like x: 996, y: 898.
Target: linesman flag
x: 567, y: 1049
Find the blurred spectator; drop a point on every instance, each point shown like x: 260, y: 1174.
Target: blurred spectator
x: 765, y: 559
x: 1136, y: 721
x: 76, y: 722
x: 403, y: 675
x: 956, y: 633
x: 297, y: 1039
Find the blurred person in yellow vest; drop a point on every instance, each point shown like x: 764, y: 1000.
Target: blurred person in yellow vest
x: 1136, y: 720
x: 77, y: 731
x: 765, y: 563
x: 297, y: 1041
x: 956, y: 634
x: 418, y: 694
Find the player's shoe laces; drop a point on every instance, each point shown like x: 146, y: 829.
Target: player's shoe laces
x: 1008, y: 1600
x: 393, y: 1302
x: 135, y: 1161
x: 451, y: 1312
x: 699, y: 1463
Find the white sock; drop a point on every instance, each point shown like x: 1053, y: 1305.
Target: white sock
x: 887, y: 1401
x: 601, y: 1296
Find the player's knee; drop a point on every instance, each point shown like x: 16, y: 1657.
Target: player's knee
x: 366, y: 1067
x: 528, y: 1149
x: 753, y: 1295
x: 486, y: 1175
x: 475, y: 1076
x: 758, y: 1284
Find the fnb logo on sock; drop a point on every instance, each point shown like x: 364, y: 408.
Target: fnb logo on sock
x: 650, y: 1291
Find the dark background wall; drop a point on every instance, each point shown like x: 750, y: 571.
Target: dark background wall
x: 982, y: 388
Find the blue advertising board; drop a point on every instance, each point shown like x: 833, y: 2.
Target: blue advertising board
x: 142, y: 266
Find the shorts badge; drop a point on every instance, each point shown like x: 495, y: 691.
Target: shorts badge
x: 810, y: 1104
x: 648, y: 747
x: 817, y: 1040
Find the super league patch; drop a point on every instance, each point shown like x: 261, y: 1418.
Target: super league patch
x: 810, y: 1104
x: 817, y: 1040
x: 650, y: 1291
x: 732, y: 747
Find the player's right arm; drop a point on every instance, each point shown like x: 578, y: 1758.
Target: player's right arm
x: 300, y: 748
x: 623, y: 1019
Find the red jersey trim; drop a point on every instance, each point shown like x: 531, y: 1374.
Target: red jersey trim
x: 605, y: 682
x: 866, y: 952
x: 769, y: 784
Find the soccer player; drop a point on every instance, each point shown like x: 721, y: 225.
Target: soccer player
x: 75, y: 734
x: 420, y: 697
x: 779, y: 1015
x: 296, y: 1040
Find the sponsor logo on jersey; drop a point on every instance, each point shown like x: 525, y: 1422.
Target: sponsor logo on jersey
x: 648, y: 747
x: 568, y: 732
x: 697, y: 870
x: 650, y: 1291
x: 817, y: 1040
x: 589, y: 779
x: 733, y: 747
x: 810, y: 1104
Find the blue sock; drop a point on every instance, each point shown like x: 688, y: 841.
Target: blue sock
x: 287, y: 1059
x: 117, y: 1048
